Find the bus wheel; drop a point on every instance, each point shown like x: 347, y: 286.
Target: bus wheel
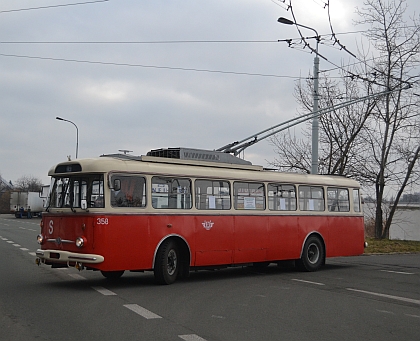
x: 167, y: 263
x: 312, y: 256
x: 112, y: 274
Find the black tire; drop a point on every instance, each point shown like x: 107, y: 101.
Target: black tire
x: 313, y: 255
x: 167, y: 263
x: 113, y: 275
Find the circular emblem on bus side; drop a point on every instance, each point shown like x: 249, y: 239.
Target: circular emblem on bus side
x: 207, y: 224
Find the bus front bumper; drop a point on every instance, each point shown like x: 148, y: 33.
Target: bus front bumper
x: 58, y: 256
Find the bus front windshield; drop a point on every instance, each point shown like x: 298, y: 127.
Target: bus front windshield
x: 77, y: 191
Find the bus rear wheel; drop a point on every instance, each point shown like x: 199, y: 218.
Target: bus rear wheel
x: 167, y: 263
x: 112, y: 274
x: 313, y: 255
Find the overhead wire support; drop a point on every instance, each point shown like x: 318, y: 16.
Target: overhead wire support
x: 238, y: 147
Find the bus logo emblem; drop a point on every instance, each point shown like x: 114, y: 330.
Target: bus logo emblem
x: 207, y: 224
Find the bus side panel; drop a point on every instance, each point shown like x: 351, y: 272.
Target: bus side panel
x: 283, y: 238
x: 251, y: 239
x: 124, y: 242
x: 346, y: 235
x: 214, y: 242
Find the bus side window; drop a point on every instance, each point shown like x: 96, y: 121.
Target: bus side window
x: 338, y: 199
x: 311, y: 198
x: 212, y: 195
x: 281, y: 197
x: 356, y: 200
x: 168, y: 192
x: 249, y: 196
x: 132, y: 191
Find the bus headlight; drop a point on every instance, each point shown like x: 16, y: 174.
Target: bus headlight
x: 80, y: 241
x: 40, y: 239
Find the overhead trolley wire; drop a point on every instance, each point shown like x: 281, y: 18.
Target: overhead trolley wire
x: 53, y: 6
x: 147, y: 66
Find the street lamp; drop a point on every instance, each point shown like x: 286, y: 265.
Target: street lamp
x: 77, y: 132
x: 315, y: 121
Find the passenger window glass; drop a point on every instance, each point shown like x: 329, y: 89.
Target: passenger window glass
x: 212, y: 195
x: 132, y: 192
x: 281, y: 197
x: 249, y: 196
x: 311, y: 198
x: 168, y: 192
x: 338, y: 199
x: 356, y: 200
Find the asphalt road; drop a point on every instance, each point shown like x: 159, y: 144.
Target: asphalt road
x: 355, y: 298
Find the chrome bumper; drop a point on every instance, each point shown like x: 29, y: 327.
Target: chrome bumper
x: 66, y: 257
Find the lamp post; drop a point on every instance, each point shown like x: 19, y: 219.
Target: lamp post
x: 77, y: 132
x: 315, y: 121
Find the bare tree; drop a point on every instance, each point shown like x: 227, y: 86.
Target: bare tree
x: 377, y: 141
x: 341, y: 130
x: 394, y: 138
x: 29, y: 183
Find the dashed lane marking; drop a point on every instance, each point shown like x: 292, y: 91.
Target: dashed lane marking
x: 398, y: 272
x: 398, y: 298
x: 191, y: 337
x: 77, y: 276
x: 147, y: 314
x: 104, y: 291
x: 309, y: 282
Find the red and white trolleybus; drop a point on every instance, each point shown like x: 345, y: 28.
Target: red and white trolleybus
x: 179, y: 209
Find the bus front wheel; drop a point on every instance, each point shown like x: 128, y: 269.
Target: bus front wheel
x: 313, y: 255
x: 167, y: 263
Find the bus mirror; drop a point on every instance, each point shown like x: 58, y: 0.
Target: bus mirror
x: 117, y: 185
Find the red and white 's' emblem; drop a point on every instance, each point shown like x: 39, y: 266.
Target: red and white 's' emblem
x: 207, y: 224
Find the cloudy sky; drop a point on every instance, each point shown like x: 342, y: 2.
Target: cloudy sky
x: 143, y: 74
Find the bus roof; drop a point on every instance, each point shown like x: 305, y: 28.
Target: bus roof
x: 120, y: 163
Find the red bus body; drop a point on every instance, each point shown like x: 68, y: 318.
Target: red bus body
x: 120, y: 239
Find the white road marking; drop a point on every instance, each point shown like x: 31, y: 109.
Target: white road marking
x: 398, y: 272
x: 142, y: 311
x: 398, y: 298
x: 385, y: 312
x: 301, y: 280
x: 10, y: 241
x: 77, y: 276
x: 32, y: 253
x: 24, y: 249
x: 3, y: 238
x: 17, y: 245
x: 104, y: 291
x: 416, y: 316
x: 191, y: 337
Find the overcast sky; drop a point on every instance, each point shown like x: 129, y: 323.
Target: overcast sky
x: 143, y: 74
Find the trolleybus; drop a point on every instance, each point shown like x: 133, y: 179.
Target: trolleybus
x: 178, y: 209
